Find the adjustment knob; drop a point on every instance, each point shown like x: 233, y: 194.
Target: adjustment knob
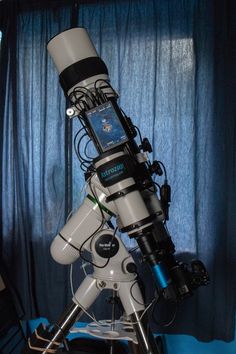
x: 146, y: 146
x: 131, y: 268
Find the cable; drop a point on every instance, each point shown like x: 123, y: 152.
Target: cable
x: 82, y: 122
x: 158, y: 185
x: 68, y: 217
x: 164, y: 324
x: 85, y: 167
x: 85, y: 148
x: 78, y: 149
x: 148, y: 307
x: 71, y: 280
x: 73, y: 294
x: 74, y: 142
x: 164, y: 169
x: 101, y: 322
x: 87, y: 93
x: 103, y: 221
x: 83, y: 266
x: 139, y: 133
x: 77, y: 101
x: 84, y: 163
x: 82, y: 245
x: 96, y: 199
x: 167, y: 230
x: 99, y: 92
x: 108, y: 85
x: 108, y: 259
x: 131, y: 293
x: 85, y: 311
x: 110, y: 323
x: 155, y: 190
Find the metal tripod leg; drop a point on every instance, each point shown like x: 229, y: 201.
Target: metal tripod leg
x: 63, y: 326
x: 45, y: 340
x: 48, y: 341
x: 132, y: 302
x: 146, y: 340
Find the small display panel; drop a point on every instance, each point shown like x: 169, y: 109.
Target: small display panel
x: 106, y: 126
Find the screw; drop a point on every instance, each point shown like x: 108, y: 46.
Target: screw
x: 102, y: 284
x: 70, y: 112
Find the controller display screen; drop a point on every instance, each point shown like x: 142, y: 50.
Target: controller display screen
x: 106, y: 126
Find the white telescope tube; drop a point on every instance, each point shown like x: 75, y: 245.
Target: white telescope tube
x: 69, y: 47
x: 76, y: 60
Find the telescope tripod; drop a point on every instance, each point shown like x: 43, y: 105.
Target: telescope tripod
x: 118, y: 273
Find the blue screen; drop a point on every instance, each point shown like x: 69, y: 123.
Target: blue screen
x: 106, y: 126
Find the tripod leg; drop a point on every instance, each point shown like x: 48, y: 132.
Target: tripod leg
x: 132, y: 301
x: 144, y: 335
x: 49, y: 340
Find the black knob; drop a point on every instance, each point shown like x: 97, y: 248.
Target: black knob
x: 131, y: 268
x: 146, y: 146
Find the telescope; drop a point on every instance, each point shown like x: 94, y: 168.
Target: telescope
x: 120, y: 185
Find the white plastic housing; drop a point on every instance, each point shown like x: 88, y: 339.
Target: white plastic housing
x: 78, y: 229
x: 130, y: 207
x: 69, y: 47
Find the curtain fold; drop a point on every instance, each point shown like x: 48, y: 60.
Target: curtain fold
x: 33, y: 164
x: 172, y: 63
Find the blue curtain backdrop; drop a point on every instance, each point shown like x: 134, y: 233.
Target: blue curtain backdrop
x: 173, y: 64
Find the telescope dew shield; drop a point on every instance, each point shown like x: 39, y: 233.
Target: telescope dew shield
x: 76, y: 59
